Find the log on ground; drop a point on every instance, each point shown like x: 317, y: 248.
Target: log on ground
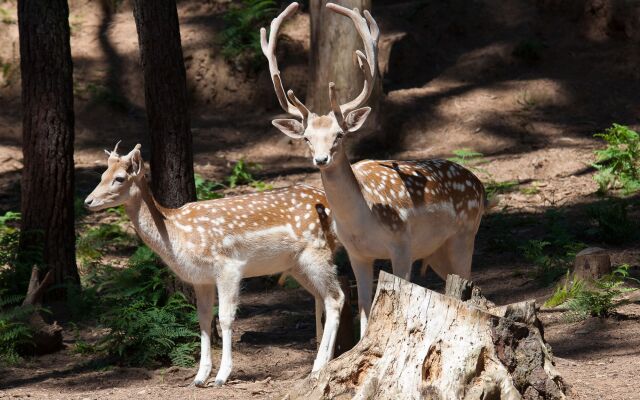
x: 420, y: 344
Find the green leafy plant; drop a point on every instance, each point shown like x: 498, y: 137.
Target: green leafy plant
x: 92, y: 243
x: 566, y: 290
x: 604, y: 298
x: 206, y: 189
x: 548, y: 268
x: 618, y: 164
x: 493, y: 187
x: 15, y: 333
x: 241, y: 174
x: 146, y: 325
x: 553, y: 254
x: 466, y: 157
x: 144, y: 333
x: 16, y: 263
x: 611, y: 222
x: 240, y: 36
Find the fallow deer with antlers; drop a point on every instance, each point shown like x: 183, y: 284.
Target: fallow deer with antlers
x: 214, y: 244
x: 397, y: 210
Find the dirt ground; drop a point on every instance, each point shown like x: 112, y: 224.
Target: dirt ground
x: 465, y: 88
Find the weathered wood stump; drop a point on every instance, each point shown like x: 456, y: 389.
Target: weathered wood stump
x: 420, y: 344
x: 47, y: 338
x: 592, y: 263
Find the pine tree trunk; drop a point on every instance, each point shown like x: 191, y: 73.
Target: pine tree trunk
x: 420, y: 344
x: 334, y: 41
x: 48, y: 133
x: 165, y: 91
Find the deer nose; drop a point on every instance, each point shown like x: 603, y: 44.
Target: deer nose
x: 88, y: 201
x: 321, y: 160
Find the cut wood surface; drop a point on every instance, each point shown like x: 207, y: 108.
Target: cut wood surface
x: 421, y: 344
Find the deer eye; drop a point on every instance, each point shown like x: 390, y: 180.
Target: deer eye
x: 119, y: 179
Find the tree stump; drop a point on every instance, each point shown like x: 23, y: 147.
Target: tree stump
x: 592, y: 263
x: 420, y: 344
x: 47, y: 338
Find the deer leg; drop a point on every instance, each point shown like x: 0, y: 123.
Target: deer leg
x: 460, y: 254
x: 363, y: 270
x: 228, y: 289
x: 317, y: 275
x: 205, y: 295
x: 401, y: 262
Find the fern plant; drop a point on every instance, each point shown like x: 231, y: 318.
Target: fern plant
x: 15, y: 333
x: 146, y: 325
x: 565, y: 291
x: 240, y: 36
x: 603, y: 299
x: 144, y: 333
x: 618, y: 164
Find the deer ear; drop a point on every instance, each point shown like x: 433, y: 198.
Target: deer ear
x: 290, y: 127
x: 136, y: 161
x: 356, y: 118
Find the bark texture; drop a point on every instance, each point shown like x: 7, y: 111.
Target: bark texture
x: 420, y: 344
x: 334, y: 41
x: 592, y: 263
x: 165, y: 91
x: 47, y: 138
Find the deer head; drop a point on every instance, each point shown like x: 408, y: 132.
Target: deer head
x: 324, y: 133
x: 117, y: 182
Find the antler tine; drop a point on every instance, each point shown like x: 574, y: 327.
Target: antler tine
x: 294, y: 107
x: 298, y: 104
x: 115, y: 149
x: 369, y: 33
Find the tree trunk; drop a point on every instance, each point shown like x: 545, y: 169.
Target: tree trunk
x: 165, y: 91
x: 165, y: 95
x: 334, y: 41
x: 47, y: 142
x: 421, y: 344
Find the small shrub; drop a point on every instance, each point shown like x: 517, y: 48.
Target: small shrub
x: 241, y: 36
x: 548, y: 268
x: 207, y: 190
x: 92, y: 243
x: 618, y: 164
x: 604, y: 298
x: 565, y: 291
x: 493, y: 188
x: 145, y: 333
x: 241, y: 174
x: 553, y: 254
x: 15, y: 333
x: 16, y: 263
x: 146, y: 325
x: 466, y: 157
x: 611, y: 222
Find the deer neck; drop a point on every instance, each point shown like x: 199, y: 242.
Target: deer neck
x: 149, y: 219
x: 343, y: 192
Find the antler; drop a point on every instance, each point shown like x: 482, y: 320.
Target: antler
x: 367, y: 63
x: 294, y: 106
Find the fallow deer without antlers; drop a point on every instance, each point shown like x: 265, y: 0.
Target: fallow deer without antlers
x: 216, y: 243
x: 397, y: 210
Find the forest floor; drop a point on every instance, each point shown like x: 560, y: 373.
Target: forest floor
x: 534, y: 125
